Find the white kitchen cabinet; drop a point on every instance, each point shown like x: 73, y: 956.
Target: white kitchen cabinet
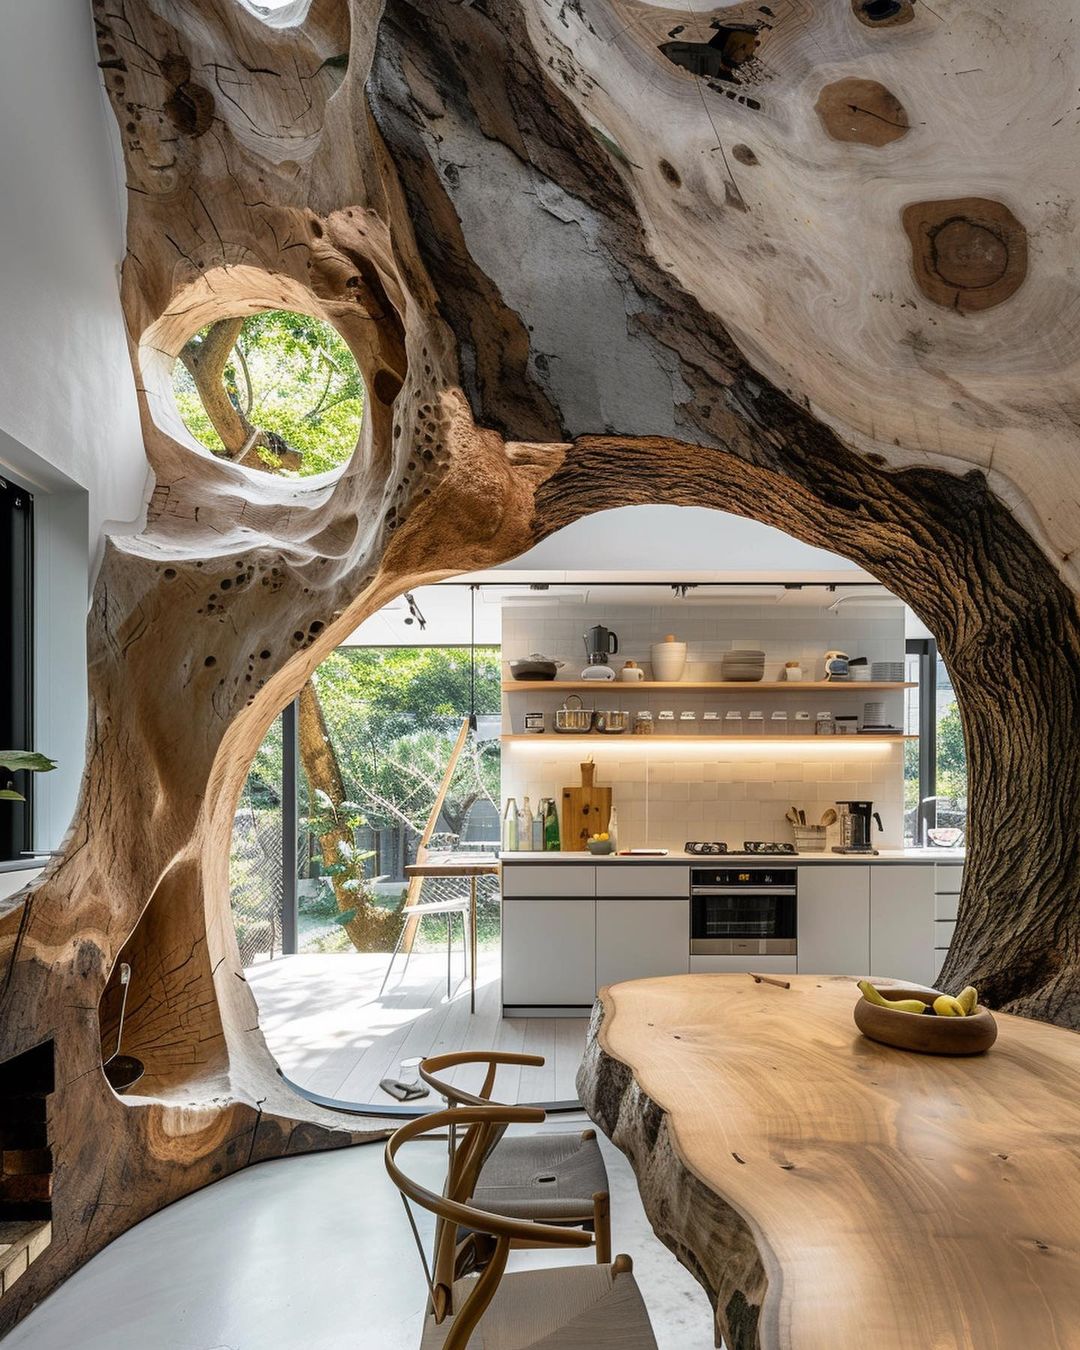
x: 639, y: 937
x: 948, y: 878
x: 532, y: 879
x: 902, y: 923
x: 549, y: 952
x: 833, y: 919
x: 639, y: 878
x: 734, y: 965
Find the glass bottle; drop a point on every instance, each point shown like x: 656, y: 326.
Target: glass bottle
x: 552, y: 842
x: 525, y: 824
x: 537, y: 840
x: 510, y: 826
x: 613, y: 830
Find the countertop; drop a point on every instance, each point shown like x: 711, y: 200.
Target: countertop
x: 886, y: 855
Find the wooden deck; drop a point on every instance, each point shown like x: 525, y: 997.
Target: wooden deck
x: 332, y: 1034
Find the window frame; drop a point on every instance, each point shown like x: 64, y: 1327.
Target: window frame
x: 17, y: 673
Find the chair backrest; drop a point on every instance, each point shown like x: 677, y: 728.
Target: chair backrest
x: 467, y: 1155
x: 456, y: 1096
x: 453, y: 1212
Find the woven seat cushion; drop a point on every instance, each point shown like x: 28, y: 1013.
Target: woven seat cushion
x: 567, y: 1308
x: 542, y: 1176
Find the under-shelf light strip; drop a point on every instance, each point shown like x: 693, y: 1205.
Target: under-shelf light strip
x: 758, y: 747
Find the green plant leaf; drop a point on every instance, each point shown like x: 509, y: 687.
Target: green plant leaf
x: 10, y: 795
x: 16, y: 760
x: 346, y: 916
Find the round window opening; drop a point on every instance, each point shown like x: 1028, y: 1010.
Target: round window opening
x: 278, y: 391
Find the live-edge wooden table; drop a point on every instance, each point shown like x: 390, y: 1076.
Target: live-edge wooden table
x: 471, y: 865
x: 831, y: 1193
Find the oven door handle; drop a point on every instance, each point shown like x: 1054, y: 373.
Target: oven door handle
x: 733, y: 892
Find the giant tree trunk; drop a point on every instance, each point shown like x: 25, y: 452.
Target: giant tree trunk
x: 371, y: 929
x: 581, y: 265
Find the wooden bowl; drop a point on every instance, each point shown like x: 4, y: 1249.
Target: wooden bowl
x: 926, y: 1034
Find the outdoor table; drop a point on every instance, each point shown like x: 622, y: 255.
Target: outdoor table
x: 471, y: 865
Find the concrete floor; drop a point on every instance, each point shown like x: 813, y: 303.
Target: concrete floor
x: 313, y: 1253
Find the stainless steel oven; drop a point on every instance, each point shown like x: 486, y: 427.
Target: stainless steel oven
x: 748, y: 910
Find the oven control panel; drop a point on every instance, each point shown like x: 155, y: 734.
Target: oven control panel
x: 735, y: 878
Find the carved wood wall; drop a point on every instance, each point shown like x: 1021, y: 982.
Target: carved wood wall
x: 766, y: 259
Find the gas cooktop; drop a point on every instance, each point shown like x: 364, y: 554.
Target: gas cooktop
x: 750, y: 848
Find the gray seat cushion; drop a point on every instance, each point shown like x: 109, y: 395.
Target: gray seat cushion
x: 542, y: 1176
x: 566, y: 1308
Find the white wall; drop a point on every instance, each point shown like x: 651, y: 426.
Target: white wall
x: 679, y: 539
x: 69, y: 428
x: 66, y: 389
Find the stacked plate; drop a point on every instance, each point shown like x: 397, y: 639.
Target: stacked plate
x: 743, y: 664
x: 888, y: 672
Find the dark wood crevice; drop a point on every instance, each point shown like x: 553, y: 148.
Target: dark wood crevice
x: 27, y: 1081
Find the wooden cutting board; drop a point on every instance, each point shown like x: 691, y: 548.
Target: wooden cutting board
x: 586, y: 811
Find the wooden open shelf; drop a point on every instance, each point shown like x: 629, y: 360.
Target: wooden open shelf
x: 695, y: 738
x: 747, y: 686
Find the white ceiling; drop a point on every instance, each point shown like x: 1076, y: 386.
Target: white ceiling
x: 654, y: 547
x: 446, y: 607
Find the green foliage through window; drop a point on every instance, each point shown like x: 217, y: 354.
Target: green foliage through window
x: 291, y: 376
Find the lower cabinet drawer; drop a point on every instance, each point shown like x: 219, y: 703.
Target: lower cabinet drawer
x: 531, y: 879
x: 946, y: 906
x: 948, y: 878
x: 943, y: 934
x: 759, y: 965
x: 939, y: 961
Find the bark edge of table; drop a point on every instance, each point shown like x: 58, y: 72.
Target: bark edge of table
x: 728, y: 1258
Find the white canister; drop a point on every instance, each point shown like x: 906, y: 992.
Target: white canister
x: 668, y: 660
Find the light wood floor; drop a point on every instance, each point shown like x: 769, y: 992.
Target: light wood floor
x: 332, y: 1034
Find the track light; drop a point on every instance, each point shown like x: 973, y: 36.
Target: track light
x: 414, y: 615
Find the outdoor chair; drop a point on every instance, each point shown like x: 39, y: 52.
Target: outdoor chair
x: 550, y: 1177
x: 583, y: 1307
x: 448, y: 908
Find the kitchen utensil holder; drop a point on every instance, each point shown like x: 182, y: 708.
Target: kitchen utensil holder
x: 809, y: 838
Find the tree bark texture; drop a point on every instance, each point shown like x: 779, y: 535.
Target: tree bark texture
x: 575, y: 275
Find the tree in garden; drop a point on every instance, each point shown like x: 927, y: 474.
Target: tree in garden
x: 333, y: 819
x: 952, y: 777
x: 393, y: 715
x: 278, y: 391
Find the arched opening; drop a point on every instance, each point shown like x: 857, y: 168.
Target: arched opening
x: 716, y: 761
